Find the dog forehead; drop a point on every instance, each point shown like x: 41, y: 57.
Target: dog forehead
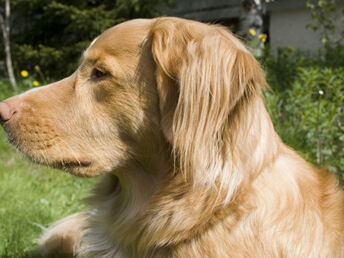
x: 122, y: 39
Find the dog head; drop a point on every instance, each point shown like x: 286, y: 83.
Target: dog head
x: 144, y: 89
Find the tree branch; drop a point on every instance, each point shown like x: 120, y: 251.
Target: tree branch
x: 5, y: 27
x: 7, y: 16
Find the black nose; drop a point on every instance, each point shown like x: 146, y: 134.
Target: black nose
x: 6, y: 112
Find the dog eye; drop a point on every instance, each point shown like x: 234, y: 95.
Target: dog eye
x: 98, y: 74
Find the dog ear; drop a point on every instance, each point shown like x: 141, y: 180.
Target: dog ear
x: 202, y: 73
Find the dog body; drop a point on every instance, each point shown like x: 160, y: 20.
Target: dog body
x: 170, y: 111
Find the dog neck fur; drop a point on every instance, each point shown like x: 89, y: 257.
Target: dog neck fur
x: 149, y: 215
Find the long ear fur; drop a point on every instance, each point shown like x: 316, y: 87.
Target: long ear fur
x: 203, y: 73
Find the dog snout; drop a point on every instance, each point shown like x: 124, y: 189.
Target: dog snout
x: 6, y: 112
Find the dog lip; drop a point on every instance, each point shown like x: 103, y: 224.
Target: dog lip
x: 72, y: 163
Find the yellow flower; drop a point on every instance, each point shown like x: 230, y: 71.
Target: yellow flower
x: 35, y: 83
x: 291, y: 49
x: 286, y: 53
x: 36, y: 67
x: 252, y: 32
x: 24, y: 73
x: 263, y: 37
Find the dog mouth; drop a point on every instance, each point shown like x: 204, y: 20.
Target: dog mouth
x: 52, y: 155
x: 63, y: 163
x: 70, y: 163
x: 60, y: 163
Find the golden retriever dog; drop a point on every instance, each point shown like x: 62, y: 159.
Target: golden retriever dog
x: 170, y: 112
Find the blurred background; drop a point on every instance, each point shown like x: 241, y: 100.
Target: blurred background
x: 299, y: 43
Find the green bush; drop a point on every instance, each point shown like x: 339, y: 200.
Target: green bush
x: 281, y: 69
x: 308, y: 109
x: 53, y: 34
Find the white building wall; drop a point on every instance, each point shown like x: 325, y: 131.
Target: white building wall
x: 288, y: 28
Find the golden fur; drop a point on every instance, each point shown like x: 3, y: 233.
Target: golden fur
x: 170, y: 111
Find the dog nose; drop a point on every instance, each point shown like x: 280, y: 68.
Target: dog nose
x: 6, y: 112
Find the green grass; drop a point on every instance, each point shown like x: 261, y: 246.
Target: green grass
x: 32, y: 195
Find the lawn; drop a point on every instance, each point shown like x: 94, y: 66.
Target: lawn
x: 32, y: 196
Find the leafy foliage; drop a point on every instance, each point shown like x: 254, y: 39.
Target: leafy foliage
x: 53, y: 34
x: 281, y: 69
x: 307, y: 106
x: 327, y: 16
